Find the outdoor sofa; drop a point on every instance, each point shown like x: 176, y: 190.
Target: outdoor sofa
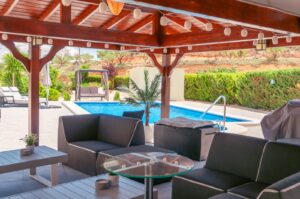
x: 243, y: 167
x: 90, y: 139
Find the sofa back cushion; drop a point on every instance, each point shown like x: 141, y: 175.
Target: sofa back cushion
x: 236, y: 154
x: 79, y: 127
x: 279, y: 160
x: 116, y: 130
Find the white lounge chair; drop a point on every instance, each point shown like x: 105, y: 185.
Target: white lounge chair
x: 11, y: 95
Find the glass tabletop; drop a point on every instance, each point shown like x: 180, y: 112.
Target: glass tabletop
x: 148, y: 165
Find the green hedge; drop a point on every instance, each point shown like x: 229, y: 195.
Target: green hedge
x: 252, y: 89
x: 120, y: 81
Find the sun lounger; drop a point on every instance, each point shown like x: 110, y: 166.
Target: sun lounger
x: 11, y: 95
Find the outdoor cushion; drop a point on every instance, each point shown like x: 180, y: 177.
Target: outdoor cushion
x: 116, y: 130
x: 226, y: 196
x: 204, y: 183
x: 95, y: 146
x: 5, y: 89
x: 14, y: 89
x: 134, y: 114
x: 279, y: 161
x: 249, y: 190
x: 236, y: 154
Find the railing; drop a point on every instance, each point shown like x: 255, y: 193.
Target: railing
x: 221, y: 97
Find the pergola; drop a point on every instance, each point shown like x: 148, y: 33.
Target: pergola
x: 165, y: 29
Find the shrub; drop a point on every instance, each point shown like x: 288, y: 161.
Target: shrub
x: 53, y: 93
x: 254, y: 89
x: 67, y: 96
x: 121, y: 81
x: 117, y: 96
x: 251, y: 89
x: 208, y: 86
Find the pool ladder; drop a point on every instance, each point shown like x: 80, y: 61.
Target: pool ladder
x: 221, y: 97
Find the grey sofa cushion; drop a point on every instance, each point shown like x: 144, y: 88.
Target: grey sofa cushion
x: 236, y: 154
x: 116, y: 130
x: 226, y: 196
x: 204, y: 183
x: 96, y: 146
x: 279, y: 161
x: 248, y: 190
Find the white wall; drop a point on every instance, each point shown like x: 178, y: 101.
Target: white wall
x: 177, y: 80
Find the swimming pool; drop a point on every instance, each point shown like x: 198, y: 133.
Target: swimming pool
x: 116, y: 108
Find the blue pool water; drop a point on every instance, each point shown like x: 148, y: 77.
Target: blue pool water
x: 116, y: 108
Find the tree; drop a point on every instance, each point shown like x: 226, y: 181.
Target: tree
x: 62, y: 58
x: 146, y: 96
x: 13, y: 70
x: 86, y: 58
x: 114, y: 58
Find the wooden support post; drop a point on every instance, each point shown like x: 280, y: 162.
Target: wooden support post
x: 165, y: 86
x: 165, y: 70
x: 33, y: 104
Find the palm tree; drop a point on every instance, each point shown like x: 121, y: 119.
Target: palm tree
x: 13, y: 70
x: 147, y: 96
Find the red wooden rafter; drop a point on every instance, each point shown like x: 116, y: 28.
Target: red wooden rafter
x: 9, y: 6
x: 48, y: 12
x: 89, y: 11
x: 110, y: 23
x: 140, y: 24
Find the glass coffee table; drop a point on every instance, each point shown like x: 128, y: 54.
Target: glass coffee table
x: 148, y: 166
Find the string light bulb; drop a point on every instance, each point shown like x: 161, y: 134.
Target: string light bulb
x: 289, y: 39
x: 151, y: 49
x: 138, y: 49
x: 106, y: 46
x: 188, y: 25
x: 137, y: 13
x: 275, y: 39
x: 70, y: 43
x: 255, y: 42
x: 88, y: 44
x: 190, y: 48
x: 103, y: 7
x: 29, y: 39
x: 244, y: 33
x: 165, y: 50
x: 177, y: 50
x: 50, y: 41
x: 4, y: 37
x: 261, y: 36
x: 122, y: 48
x: 66, y: 2
x: 164, y: 21
x: 208, y: 27
x: 227, y: 31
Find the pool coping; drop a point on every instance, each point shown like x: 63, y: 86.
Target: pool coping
x: 77, y: 110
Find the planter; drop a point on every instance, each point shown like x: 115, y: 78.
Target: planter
x: 29, y: 150
x: 149, y: 133
x: 113, y: 179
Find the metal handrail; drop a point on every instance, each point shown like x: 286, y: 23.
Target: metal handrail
x: 213, y: 104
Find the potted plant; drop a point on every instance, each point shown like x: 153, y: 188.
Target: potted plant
x: 146, y: 96
x: 29, y: 140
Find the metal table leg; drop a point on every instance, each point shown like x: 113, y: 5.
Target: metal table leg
x: 148, y: 188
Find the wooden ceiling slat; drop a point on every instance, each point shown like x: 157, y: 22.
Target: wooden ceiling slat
x: 115, y: 20
x: 85, y: 15
x: 9, y: 6
x: 53, y: 7
x: 140, y: 24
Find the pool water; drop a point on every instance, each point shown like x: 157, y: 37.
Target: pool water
x: 116, y: 108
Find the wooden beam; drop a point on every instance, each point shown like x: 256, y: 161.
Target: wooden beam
x: 65, y: 13
x: 89, y: 11
x: 69, y: 31
x: 165, y: 86
x: 54, y: 49
x: 8, y: 7
x: 113, y: 21
x: 33, y: 93
x: 16, y: 53
x: 50, y: 10
x: 157, y: 29
x: 140, y: 24
x: 210, y: 37
x: 230, y: 11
